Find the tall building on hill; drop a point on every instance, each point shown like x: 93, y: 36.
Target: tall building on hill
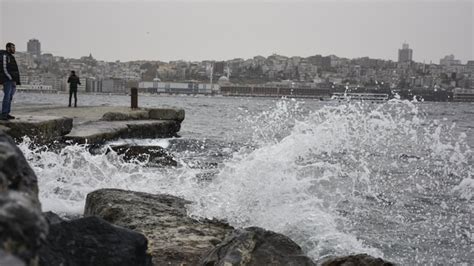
x: 449, y: 60
x: 219, y: 68
x: 34, y: 47
x: 405, y: 54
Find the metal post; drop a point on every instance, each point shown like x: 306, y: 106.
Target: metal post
x: 134, y: 97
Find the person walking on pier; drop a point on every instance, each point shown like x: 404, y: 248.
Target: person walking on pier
x: 73, y: 81
x: 9, y: 77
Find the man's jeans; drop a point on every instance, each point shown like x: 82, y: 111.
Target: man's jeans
x: 9, y: 88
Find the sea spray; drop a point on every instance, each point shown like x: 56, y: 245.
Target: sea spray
x: 337, y: 168
x: 357, y: 177
x: 67, y: 176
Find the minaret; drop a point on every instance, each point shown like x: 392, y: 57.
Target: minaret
x: 156, y: 80
x: 211, y: 74
x: 227, y: 70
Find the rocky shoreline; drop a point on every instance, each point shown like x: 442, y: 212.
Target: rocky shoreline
x: 122, y: 227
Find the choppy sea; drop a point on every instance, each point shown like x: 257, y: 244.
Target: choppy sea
x: 393, y: 179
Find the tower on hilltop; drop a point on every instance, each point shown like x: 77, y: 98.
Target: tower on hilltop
x: 405, y: 54
x: 34, y: 47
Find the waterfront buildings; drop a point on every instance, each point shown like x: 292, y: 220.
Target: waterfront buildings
x: 190, y: 88
x: 297, y: 76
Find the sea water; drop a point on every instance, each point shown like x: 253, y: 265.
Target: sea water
x: 393, y: 179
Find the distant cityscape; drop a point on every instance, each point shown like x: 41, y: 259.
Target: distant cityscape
x: 276, y: 75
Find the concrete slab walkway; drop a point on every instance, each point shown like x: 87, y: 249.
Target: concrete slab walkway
x: 91, y: 124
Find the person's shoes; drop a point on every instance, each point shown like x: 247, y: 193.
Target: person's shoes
x: 4, y: 118
x: 10, y: 117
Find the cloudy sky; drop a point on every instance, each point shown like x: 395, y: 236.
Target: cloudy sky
x: 226, y: 29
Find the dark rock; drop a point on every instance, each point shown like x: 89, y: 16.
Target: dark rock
x: 15, y: 172
x: 174, y: 238
x: 93, y: 241
x: 255, y: 246
x: 355, y: 260
x: 52, y: 218
x: 155, y: 155
x: 9, y: 259
x: 22, y: 226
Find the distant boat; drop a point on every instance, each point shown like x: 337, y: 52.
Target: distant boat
x: 359, y: 96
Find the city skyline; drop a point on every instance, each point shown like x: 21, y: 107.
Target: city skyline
x: 198, y: 31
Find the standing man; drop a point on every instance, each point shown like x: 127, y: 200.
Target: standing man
x: 73, y: 80
x: 9, y: 77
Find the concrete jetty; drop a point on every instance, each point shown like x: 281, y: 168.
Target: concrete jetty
x: 91, y: 124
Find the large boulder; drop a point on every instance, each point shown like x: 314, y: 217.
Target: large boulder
x: 15, y: 172
x: 355, y: 260
x: 43, y: 129
x: 167, y: 114
x: 10, y: 260
x: 174, y: 238
x: 255, y: 246
x: 22, y: 226
x: 93, y: 241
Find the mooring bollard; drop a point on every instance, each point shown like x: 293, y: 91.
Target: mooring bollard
x: 134, y: 97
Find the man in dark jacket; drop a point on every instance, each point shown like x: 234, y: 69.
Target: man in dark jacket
x: 9, y: 77
x: 73, y: 81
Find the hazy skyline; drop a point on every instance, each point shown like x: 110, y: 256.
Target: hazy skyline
x: 196, y: 31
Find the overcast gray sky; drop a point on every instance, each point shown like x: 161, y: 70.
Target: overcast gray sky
x: 221, y: 30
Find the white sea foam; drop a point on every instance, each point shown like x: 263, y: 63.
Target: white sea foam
x: 318, y: 177
x: 465, y: 188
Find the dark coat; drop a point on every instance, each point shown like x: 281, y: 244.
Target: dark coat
x: 73, y: 81
x: 8, y: 68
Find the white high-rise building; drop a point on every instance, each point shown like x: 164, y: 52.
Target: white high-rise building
x: 449, y: 61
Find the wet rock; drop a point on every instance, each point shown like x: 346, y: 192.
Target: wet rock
x: 52, y: 218
x: 120, y: 116
x: 98, y: 132
x: 15, y: 172
x: 10, y: 260
x: 153, y: 129
x: 22, y: 225
x: 42, y: 129
x: 93, y: 241
x: 355, y: 260
x: 167, y: 114
x: 174, y: 238
x: 154, y: 114
x: 154, y: 155
x: 255, y: 246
